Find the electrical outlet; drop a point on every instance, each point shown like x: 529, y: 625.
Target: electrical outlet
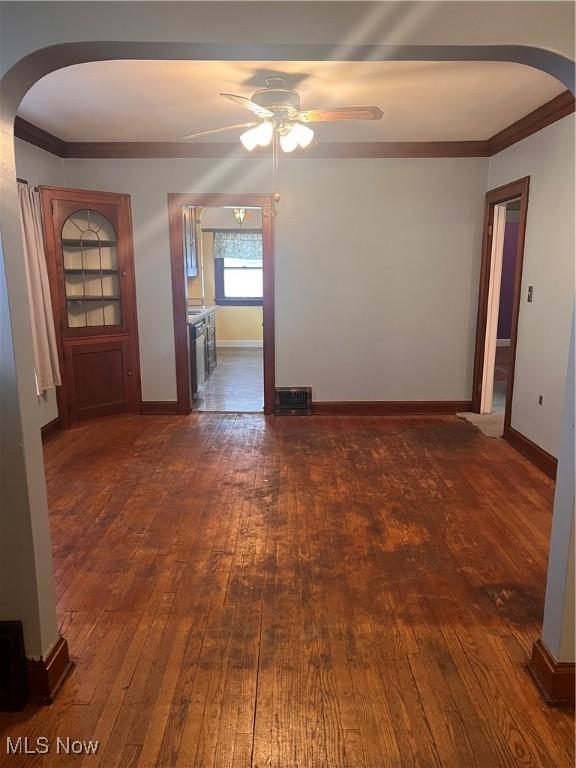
x: 540, y: 399
x: 530, y: 293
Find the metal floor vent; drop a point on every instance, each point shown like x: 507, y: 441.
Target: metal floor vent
x: 293, y: 401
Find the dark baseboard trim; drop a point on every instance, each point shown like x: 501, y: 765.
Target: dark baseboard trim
x: 390, y: 407
x: 555, y: 679
x: 50, y: 430
x: 538, y: 456
x: 14, y: 690
x: 159, y: 408
x: 45, y: 677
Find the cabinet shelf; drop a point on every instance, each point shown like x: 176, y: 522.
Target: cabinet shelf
x: 92, y: 298
x: 80, y: 271
x: 89, y: 243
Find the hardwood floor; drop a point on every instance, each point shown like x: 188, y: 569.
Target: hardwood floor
x: 237, y: 384
x: 312, y: 592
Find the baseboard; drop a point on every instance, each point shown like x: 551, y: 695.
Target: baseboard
x: 50, y: 430
x: 14, y: 688
x: 391, y: 407
x: 159, y: 408
x: 239, y: 343
x: 45, y: 677
x: 538, y: 456
x: 503, y: 342
x: 555, y: 679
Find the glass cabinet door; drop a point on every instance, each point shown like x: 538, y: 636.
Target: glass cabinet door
x: 91, y: 271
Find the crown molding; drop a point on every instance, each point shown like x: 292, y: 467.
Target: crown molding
x: 548, y: 113
x: 324, y: 150
x: 39, y: 137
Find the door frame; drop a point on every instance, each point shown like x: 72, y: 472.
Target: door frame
x: 47, y: 195
x: 506, y: 193
x: 177, y: 201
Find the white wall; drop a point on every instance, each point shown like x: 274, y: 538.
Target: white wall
x: 376, y: 268
x: 544, y: 325
x: 40, y: 167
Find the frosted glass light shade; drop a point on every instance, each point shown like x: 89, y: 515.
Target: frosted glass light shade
x: 304, y: 135
x: 289, y: 141
x: 260, y: 135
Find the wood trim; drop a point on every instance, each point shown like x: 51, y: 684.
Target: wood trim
x: 14, y: 688
x: 39, y: 137
x: 548, y: 113
x: 46, y: 676
x: 51, y: 429
x: 493, y: 198
x: 176, y: 201
x: 322, y: 150
x: 159, y: 408
x: 553, y: 110
x: 390, y: 407
x: 533, y: 452
x: 555, y: 679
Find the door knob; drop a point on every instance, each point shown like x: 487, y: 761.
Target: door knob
x: 129, y: 373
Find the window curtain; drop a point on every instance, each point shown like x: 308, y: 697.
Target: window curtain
x: 43, y: 336
x: 238, y: 245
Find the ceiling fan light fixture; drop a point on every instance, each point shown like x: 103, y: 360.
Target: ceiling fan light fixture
x: 304, y: 135
x: 260, y: 136
x: 289, y: 140
x: 249, y: 139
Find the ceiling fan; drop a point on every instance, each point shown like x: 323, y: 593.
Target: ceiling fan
x: 280, y: 118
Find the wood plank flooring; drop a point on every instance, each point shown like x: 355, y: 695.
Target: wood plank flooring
x: 313, y: 592
x: 237, y: 383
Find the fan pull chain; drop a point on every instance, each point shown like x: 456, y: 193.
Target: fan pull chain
x: 275, y: 194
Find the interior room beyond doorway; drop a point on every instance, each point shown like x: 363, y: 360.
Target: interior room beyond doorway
x: 224, y: 270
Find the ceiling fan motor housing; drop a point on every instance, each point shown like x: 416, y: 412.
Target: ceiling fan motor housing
x: 278, y: 98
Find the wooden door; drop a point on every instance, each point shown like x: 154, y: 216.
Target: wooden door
x: 89, y: 250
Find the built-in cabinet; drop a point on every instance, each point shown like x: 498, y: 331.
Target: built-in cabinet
x: 89, y: 250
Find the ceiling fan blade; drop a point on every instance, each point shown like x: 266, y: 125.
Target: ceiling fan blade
x: 219, y: 130
x: 248, y: 104
x: 340, y: 113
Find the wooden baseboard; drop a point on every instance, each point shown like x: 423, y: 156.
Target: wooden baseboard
x: 14, y: 688
x: 50, y: 430
x: 391, y: 407
x: 555, y: 679
x: 159, y: 408
x: 45, y: 677
x: 538, y: 456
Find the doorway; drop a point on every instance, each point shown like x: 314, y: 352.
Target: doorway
x: 499, y: 303
x: 223, y: 297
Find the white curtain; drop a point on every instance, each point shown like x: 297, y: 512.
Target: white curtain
x: 238, y: 245
x: 43, y: 336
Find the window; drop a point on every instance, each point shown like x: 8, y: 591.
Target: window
x: 238, y: 268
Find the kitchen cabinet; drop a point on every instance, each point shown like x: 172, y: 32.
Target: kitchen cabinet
x: 201, y: 348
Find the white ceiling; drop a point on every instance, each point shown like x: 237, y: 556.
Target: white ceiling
x: 163, y: 100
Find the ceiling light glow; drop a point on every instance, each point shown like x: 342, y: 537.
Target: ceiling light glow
x: 261, y: 136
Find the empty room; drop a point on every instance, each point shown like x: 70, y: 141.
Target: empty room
x: 287, y: 384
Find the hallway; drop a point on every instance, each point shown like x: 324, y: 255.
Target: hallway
x: 309, y: 592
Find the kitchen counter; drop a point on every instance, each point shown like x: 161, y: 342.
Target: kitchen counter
x: 195, y: 314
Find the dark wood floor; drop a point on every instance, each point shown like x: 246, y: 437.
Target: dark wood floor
x: 300, y: 593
